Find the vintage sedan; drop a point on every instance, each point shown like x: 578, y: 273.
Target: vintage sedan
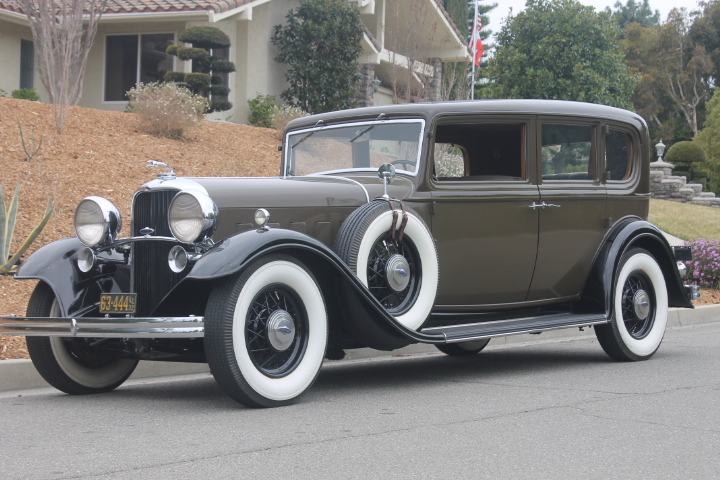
x: 442, y: 223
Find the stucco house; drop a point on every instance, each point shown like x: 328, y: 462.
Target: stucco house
x: 404, y: 45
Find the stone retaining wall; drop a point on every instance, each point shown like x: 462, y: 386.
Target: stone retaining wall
x: 666, y: 186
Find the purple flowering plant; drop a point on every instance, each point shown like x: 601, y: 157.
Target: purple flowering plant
x: 704, y: 269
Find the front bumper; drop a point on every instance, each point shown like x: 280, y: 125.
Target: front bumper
x: 116, y: 327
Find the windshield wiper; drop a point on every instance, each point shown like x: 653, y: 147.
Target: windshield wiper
x: 367, y: 129
x: 306, y: 136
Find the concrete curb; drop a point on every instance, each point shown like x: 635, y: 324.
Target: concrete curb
x: 21, y: 374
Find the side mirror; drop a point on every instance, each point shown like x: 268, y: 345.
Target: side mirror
x: 386, y: 172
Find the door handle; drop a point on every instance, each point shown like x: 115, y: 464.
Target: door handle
x: 542, y: 205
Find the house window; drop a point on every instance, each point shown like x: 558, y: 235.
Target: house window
x: 27, y: 64
x: 131, y: 59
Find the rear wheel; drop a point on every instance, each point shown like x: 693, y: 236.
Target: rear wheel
x: 70, y: 364
x: 463, y: 349
x: 266, y: 332
x: 640, y: 309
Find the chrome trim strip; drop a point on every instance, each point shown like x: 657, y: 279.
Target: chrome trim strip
x: 323, y: 175
x: 115, y: 327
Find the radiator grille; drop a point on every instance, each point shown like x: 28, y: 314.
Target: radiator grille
x: 152, y: 278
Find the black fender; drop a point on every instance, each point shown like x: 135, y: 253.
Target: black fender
x: 629, y: 234
x: 361, y: 314
x: 77, y: 292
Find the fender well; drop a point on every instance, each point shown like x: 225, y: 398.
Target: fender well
x: 356, y: 318
x: 630, y: 234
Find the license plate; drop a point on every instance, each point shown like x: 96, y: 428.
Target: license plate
x: 117, y: 303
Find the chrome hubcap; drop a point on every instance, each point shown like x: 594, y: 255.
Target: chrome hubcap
x: 397, y: 273
x: 641, y: 304
x: 281, y: 330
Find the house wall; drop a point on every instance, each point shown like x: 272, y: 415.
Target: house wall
x: 10, y: 36
x: 258, y: 72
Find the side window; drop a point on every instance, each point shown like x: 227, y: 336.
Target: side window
x: 567, y: 152
x: 618, y: 155
x: 480, y: 151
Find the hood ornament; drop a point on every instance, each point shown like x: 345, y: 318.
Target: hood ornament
x: 169, y: 175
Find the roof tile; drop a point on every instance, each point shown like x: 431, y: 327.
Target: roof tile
x: 130, y: 6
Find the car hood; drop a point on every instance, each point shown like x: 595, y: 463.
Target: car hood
x: 298, y: 192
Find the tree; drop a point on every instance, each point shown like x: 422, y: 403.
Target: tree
x: 455, y: 74
x: 709, y: 139
x: 705, y: 31
x: 635, y: 12
x: 673, y: 67
x: 560, y: 49
x: 63, y: 32
x: 320, y: 44
x: 208, y: 67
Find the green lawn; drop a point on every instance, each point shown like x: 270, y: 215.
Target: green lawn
x: 685, y: 221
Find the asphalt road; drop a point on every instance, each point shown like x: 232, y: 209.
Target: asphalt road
x: 558, y: 409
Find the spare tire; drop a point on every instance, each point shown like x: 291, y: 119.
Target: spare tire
x: 402, y: 274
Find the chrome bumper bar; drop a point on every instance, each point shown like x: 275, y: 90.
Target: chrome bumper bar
x: 117, y: 327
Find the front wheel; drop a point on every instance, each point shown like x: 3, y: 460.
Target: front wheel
x: 266, y: 332
x: 640, y: 309
x: 70, y: 364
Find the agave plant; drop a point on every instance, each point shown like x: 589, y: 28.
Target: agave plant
x: 8, y: 262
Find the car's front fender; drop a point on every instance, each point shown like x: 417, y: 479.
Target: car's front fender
x: 77, y: 292
x: 365, y: 318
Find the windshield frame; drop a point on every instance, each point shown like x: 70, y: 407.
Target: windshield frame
x: 287, y: 150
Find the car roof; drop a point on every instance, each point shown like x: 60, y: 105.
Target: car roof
x: 468, y: 107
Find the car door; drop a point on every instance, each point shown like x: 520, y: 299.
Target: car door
x: 485, y: 229
x: 572, y: 219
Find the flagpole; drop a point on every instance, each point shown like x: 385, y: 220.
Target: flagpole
x: 474, y: 47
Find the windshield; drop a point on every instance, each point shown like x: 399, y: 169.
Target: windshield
x: 357, y: 146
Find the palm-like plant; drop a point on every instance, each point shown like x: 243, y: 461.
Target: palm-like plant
x: 8, y: 262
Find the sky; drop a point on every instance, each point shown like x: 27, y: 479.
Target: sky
x: 498, y: 15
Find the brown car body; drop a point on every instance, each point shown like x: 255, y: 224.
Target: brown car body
x: 533, y: 207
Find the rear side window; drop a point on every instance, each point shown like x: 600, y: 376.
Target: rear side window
x: 618, y: 155
x: 567, y: 152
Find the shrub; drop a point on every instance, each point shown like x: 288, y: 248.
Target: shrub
x: 26, y: 94
x: 282, y: 115
x: 174, y: 77
x: 205, y: 37
x: 687, y: 152
x: 261, y: 110
x: 189, y: 53
x: 205, y: 66
x: 165, y: 109
x: 704, y: 269
x: 685, y: 156
x: 3, y: 93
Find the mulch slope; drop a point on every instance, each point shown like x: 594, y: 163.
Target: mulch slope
x: 102, y: 153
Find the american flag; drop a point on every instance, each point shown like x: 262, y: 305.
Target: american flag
x: 475, y: 41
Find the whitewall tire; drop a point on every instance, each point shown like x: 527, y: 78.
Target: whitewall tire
x: 69, y: 364
x: 403, y: 276
x: 640, y: 309
x: 266, y: 332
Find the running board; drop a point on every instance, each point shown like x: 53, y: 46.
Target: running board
x: 500, y: 328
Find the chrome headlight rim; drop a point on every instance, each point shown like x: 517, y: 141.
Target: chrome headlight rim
x: 109, y: 222
x: 206, y: 218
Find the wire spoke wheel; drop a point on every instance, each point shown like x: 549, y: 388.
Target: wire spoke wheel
x: 276, y: 330
x: 638, y: 305
x: 394, y: 273
x: 639, y: 309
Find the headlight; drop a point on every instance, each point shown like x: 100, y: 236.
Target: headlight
x: 192, y: 216
x: 97, y: 221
